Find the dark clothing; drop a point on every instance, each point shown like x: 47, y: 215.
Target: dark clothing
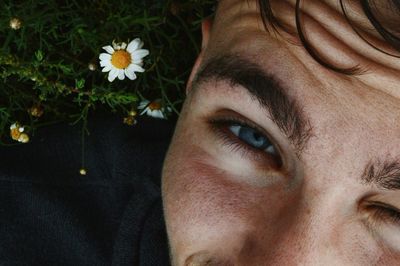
x: 52, y: 215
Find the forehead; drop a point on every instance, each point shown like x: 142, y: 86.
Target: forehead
x: 239, y: 28
x: 360, y: 111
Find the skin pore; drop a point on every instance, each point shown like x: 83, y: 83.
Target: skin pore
x: 332, y: 200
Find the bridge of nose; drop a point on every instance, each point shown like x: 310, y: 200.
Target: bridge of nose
x: 323, y: 229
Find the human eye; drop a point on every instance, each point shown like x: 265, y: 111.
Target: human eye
x: 245, y: 137
x: 384, y: 213
x: 383, y: 221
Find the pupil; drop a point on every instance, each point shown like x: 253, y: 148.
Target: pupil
x: 257, y: 136
x: 253, y: 138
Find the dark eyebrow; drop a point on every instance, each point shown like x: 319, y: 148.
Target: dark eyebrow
x: 384, y: 174
x: 283, y: 109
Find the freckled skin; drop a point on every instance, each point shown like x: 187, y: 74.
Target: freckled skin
x: 218, y: 212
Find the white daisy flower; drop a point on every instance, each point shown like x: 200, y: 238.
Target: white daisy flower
x: 123, y: 59
x: 16, y: 133
x: 153, y: 109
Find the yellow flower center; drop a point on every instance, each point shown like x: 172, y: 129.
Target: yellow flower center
x: 15, y: 133
x: 155, y: 106
x: 121, y: 59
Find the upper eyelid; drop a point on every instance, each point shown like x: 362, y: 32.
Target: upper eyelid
x: 379, y: 212
x: 241, y: 120
x: 383, y: 205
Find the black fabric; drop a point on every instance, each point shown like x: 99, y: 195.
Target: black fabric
x: 52, y: 215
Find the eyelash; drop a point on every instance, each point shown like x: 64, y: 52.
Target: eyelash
x: 220, y: 127
x: 382, y: 212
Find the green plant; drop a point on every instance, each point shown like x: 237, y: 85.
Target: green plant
x: 49, y: 50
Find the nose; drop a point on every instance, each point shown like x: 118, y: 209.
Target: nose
x: 301, y: 234
x: 300, y: 243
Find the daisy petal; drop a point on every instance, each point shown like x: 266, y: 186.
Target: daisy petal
x: 135, y: 68
x: 104, y: 63
x: 112, y: 75
x: 104, y: 56
x: 106, y: 68
x: 138, y: 62
x: 139, y: 54
x: 130, y: 74
x: 140, y: 45
x: 146, y: 110
x: 133, y: 45
x: 143, y: 104
x: 156, y: 114
x: 121, y: 74
x: 109, y: 49
x: 123, y: 45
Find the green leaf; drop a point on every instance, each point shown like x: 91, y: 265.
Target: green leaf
x: 79, y: 83
x: 39, y: 55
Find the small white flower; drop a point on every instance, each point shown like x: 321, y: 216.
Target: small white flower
x: 17, y: 127
x: 92, y: 66
x: 15, y: 23
x: 16, y: 133
x: 153, y: 109
x: 123, y: 59
x: 23, y: 138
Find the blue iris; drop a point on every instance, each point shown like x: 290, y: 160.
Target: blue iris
x: 251, y: 136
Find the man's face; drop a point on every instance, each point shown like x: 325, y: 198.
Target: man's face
x: 277, y: 160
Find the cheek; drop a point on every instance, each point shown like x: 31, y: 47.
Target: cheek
x: 205, y: 209
x: 201, y: 207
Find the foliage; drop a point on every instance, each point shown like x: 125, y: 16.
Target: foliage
x: 45, y: 63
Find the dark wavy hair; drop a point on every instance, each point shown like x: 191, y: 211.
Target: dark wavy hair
x: 391, y: 36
